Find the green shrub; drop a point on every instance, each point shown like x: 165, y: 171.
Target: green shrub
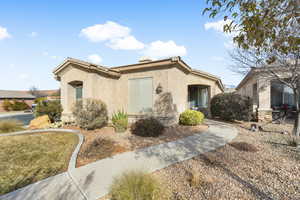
x: 120, y: 121
x: 51, y: 108
x: 148, y: 127
x: 191, y: 118
x: 19, y: 105
x: 137, y: 186
x: 7, y: 126
x: 40, y: 99
x: 90, y: 113
x: 231, y: 106
x: 6, y: 105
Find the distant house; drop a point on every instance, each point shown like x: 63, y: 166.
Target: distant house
x: 50, y: 94
x: 268, y: 94
x: 139, y: 88
x: 15, y: 95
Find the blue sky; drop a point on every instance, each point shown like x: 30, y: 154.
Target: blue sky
x: 35, y: 36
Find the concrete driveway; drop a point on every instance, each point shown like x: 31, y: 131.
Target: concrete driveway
x: 25, y: 118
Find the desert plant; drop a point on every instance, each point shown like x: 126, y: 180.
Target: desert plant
x: 136, y: 185
x: 231, y: 106
x: 120, y: 121
x: 191, y: 118
x: 6, y: 105
x: 148, y: 127
x: 7, y: 126
x: 293, y: 141
x: 90, y: 113
x: 51, y: 108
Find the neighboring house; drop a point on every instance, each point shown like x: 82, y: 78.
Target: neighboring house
x: 159, y: 86
x: 50, y: 94
x: 15, y: 95
x: 268, y: 94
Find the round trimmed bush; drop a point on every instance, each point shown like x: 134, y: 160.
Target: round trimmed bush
x: 148, y: 127
x: 191, y: 118
x: 135, y: 185
x: 231, y: 106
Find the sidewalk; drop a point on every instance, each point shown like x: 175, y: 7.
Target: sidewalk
x: 92, y: 181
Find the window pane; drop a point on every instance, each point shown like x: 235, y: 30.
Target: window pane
x: 140, y: 95
x: 78, y: 93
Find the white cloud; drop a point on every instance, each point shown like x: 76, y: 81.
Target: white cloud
x: 33, y: 34
x: 23, y: 76
x: 126, y: 43
x: 158, y: 49
x: 95, y: 58
x: 54, y: 57
x: 117, y: 36
x: 101, y: 32
x: 218, y: 27
x: 3, y: 33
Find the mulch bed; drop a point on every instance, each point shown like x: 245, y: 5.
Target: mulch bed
x: 255, y: 165
x: 122, y: 142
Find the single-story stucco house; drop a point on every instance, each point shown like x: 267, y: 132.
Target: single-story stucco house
x: 139, y: 88
x: 268, y: 94
x: 15, y: 95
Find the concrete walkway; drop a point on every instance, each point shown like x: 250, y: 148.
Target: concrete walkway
x: 92, y: 181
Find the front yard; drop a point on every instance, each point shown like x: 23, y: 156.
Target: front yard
x: 105, y: 142
x: 255, y: 165
x: 25, y: 159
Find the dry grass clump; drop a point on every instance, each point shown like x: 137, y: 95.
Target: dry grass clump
x: 292, y: 141
x: 137, y: 185
x: 10, y: 125
x: 25, y: 159
x: 198, y: 179
x: 100, y: 148
x: 244, y: 146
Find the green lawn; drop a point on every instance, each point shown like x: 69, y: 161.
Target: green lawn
x: 25, y: 159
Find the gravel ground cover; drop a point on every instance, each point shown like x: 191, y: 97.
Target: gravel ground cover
x: 255, y: 165
x: 105, y: 142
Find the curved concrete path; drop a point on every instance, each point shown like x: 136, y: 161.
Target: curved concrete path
x: 92, y: 181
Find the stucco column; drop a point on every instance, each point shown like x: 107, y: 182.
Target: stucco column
x: 67, y: 96
x: 264, y: 99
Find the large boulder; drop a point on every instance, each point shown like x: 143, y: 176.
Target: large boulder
x: 40, y: 122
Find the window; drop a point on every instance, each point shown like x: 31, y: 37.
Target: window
x: 140, y: 95
x: 198, y: 96
x: 78, y: 91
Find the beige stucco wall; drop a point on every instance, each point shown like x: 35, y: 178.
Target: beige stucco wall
x: 263, y: 104
x: 114, y: 91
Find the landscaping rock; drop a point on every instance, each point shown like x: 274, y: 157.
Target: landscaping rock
x: 40, y: 122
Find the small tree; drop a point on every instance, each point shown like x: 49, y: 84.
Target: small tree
x: 35, y: 92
